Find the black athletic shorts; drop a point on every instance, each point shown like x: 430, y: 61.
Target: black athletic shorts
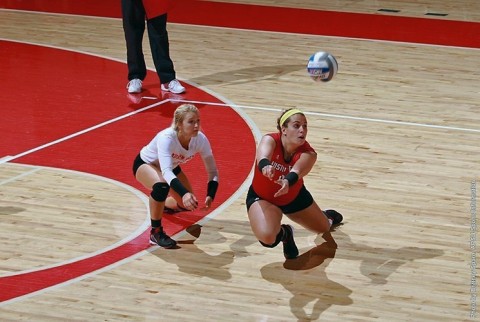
x: 138, y: 162
x: 303, y: 200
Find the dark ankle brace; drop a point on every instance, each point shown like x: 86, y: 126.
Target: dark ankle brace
x: 156, y: 223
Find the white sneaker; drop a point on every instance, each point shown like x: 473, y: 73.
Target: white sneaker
x: 174, y: 86
x: 134, y: 86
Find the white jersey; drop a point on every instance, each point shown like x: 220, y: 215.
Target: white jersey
x: 165, y: 149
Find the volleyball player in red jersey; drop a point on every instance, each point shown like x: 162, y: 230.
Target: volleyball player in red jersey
x: 283, y: 159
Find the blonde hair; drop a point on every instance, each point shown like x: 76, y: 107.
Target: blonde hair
x: 181, y: 112
x: 283, y: 120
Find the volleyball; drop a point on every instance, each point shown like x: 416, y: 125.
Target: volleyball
x: 322, y: 66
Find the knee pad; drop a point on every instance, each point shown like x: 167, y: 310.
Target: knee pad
x: 268, y: 245
x: 160, y: 191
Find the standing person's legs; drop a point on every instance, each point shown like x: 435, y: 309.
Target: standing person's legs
x: 133, y: 18
x: 159, y: 44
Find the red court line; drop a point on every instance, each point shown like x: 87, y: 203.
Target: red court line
x: 281, y: 19
x: 23, y: 284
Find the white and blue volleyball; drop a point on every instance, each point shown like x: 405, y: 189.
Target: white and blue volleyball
x: 322, y: 66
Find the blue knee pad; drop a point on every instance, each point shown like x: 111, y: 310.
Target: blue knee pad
x: 160, y: 191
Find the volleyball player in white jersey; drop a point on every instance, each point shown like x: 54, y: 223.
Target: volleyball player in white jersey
x: 157, y: 167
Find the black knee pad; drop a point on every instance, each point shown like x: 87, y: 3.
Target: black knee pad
x: 268, y: 245
x: 160, y: 191
x: 277, y: 241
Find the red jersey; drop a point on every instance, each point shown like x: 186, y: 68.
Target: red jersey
x: 266, y: 188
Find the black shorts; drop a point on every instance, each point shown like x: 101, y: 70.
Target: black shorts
x: 303, y: 200
x: 138, y: 162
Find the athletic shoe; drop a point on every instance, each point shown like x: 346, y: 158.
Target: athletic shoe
x: 160, y: 238
x: 174, y: 86
x: 334, y: 215
x: 134, y: 86
x: 170, y: 211
x: 290, y: 250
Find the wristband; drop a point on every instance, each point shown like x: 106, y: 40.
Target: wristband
x: 178, y: 187
x: 263, y: 163
x: 291, y: 177
x: 212, y: 188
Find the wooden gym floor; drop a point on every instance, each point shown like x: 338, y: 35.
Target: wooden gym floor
x: 397, y: 132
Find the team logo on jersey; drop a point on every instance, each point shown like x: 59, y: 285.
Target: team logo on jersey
x: 181, y: 158
x: 279, y: 167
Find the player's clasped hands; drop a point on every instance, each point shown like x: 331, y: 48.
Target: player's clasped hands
x: 269, y: 172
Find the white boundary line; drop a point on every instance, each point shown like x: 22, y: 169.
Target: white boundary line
x: 139, y: 230
x: 347, y: 117
x: 10, y: 158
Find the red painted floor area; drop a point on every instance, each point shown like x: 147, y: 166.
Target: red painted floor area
x: 255, y: 17
x: 70, y: 110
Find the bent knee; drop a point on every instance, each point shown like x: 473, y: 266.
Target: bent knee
x: 266, y: 238
x: 268, y: 242
x: 160, y: 191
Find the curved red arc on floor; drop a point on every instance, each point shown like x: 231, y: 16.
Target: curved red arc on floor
x: 62, y: 102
